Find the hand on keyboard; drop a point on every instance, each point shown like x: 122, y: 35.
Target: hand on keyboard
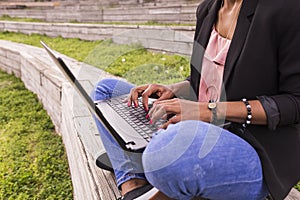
x: 162, y: 92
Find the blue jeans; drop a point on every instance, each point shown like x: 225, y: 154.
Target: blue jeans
x: 188, y: 159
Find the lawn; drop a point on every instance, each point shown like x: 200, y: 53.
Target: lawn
x: 132, y: 62
x: 33, y: 163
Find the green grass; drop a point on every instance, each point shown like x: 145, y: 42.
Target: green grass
x: 76, y: 48
x: 132, y: 62
x: 138, y: 65
x: 298, y: 186
x: 149, y: 23
x: 17, y: 19
x: 33, y: 164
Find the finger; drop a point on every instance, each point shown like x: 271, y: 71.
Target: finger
x: 129, y: 101
x: 145, y: 99
x: 172, y: 120
x: 165, y: 117
x: 167, y: 105
x: 171, y: 108
x: 161, y: 112
x: 156, y: 113
x: 134, y: 95
x: 163, y: 101
x: 152, y: 89
x: 164, y: 96
x: 154, y: 108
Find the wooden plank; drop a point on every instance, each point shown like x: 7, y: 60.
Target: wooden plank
x: 123, y: 13
x: 83, y: 187
x: 82, y: 175
x: 21, y: 5
x: 182, y: 48
x: 106, y: 181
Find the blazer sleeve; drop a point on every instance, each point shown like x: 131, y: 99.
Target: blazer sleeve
x: 288, y: 35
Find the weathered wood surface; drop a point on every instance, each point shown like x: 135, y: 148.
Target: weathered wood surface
x: 104, y: 11
x: 27, y: 4
x: 69, y: 115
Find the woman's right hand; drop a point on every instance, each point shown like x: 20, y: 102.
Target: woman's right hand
x: 145, y: 91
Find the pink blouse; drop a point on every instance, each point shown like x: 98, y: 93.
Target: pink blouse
x: 213, y: 67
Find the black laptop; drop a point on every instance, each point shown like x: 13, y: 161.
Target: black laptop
x: 127, y: 125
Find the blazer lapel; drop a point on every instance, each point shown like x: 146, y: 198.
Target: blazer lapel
x: 237, y: 43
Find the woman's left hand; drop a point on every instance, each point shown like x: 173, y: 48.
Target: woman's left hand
x: 180, y: 110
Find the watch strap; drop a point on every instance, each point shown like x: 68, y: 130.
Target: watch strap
x: 213, y: 107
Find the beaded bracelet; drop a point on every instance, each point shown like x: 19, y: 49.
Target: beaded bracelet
x: 249, y: 113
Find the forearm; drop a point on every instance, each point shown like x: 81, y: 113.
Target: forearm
x: 237, y: 112
x: 180, y: 89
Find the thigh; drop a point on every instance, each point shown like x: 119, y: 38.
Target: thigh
x: 193, y: 158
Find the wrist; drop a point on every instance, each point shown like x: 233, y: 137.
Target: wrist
x: 212, y: 106
x: 180, y: 89
x: 219, y: 115
x: 249, y: 113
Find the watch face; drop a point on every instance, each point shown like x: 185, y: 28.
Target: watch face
x: 212, y: 106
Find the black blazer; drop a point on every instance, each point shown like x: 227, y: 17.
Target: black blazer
x: 263, y: 59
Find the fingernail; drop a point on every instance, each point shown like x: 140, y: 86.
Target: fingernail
x: 151, y: 122
x: 146, y: 109
x: 147, y: 116
x: 129, y: 104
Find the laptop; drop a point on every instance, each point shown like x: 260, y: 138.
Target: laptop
x: 128, y: 126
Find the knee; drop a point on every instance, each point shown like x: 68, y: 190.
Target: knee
x: 157, y: 172
x: 172, y: 150
x: 167, y: 146
x: 104, y: 89
x: 163, y: 157
x: 162, y: 167
x: 157, y: 149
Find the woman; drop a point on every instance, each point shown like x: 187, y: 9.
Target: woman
x: 248, y: 75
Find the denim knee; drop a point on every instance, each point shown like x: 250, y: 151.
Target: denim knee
x: 197, y: 159
x: 163, y: 160
x: 103, y: 89
x: 110, y: 87
x: 156, y: 172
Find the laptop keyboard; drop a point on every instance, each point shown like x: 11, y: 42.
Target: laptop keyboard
x: 136, y: 117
